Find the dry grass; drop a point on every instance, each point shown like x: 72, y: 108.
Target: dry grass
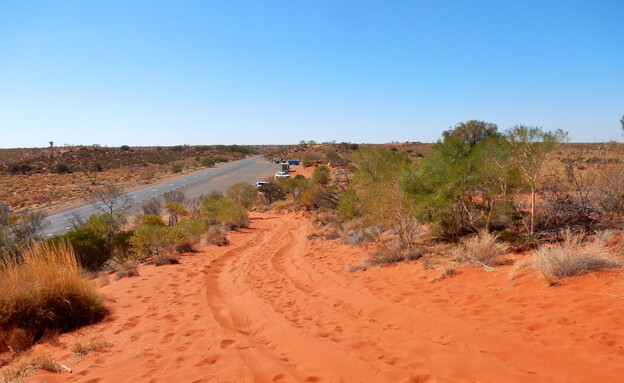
x: 520, y: 267
x: 45, y: 291
x: 84, y: 347
x: 571, y: 257
x: 166, y: 259
x: 216, y: 236
x: 481, y: 249
x: 28, y: 365
x: 128, y: 269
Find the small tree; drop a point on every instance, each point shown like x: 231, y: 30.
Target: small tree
x: 531, y: 148
x: 272, y: 192
x: 322, y: 175
x: 242, y: 193
x: 472, y: 132
x: 111, y: 199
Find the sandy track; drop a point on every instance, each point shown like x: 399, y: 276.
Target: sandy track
x: 274, y: 306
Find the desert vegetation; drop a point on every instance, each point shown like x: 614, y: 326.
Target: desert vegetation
x: 40, y: 177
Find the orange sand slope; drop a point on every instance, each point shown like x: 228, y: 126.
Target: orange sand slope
x: 274, y: 306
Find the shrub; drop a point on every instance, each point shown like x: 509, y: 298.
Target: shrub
x: 128, y: 269
x: 61, y: 168
x: 125, y: 147
x: 242, y: 193
x: 92, y: 249
x: 208, y: 162
x: 272, y: 192
x: 184, y: 247
x: 479, y: 249
x: 321, y: 175
x: 28, y: 365
x: 223, y: 211
x: 84, y: 347
x: 166, y: 260
x: 176, y: 169
x: 570, y: 258
x: 46, y: 292
x: 216, y: 236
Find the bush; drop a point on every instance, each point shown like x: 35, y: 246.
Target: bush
x: 208, y: 162
x: 321, y: 175
x: 216, y: 236
x: 176, y: 169
x: 272, y: 192
x: 46, y: 292
x: 223, y: 211
x: 82, y: 348
x: 571, y: 258
x: 166, y: 260
x: 242, y: 193
x: 92, y: 249
x: 479, y: 249
x: 128, y: 269
x: 28, y: 365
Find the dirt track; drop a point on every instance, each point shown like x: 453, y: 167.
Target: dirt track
x: 274, y: 306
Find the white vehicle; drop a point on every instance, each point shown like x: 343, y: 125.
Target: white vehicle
x: 282, y: 175
x: 260, y: 183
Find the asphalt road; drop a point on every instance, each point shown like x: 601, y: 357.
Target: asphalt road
x: 220, y: 178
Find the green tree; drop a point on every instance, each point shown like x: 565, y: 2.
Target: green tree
x: 272, y: 192
x: 322, y: 175
x: 242, y: 193
x: 530, y: 148
x: 472, y: 132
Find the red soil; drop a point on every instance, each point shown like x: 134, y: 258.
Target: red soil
x: 274, y: 306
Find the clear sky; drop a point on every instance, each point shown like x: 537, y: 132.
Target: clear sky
x: 266, y: 72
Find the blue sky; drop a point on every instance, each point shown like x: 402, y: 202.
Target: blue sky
x: 251, y: 72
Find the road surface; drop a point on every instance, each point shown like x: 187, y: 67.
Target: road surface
x: 219, y: 178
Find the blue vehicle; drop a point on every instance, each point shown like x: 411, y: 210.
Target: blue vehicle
x: 293, y: 162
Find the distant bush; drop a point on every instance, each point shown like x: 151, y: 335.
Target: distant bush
x: 61, y: 168
x: 321, y: 175
x: 125, y: 147
x: 571, y: 258
x: 45, y: 291
x: 176, y: 169
x: 208, y: 162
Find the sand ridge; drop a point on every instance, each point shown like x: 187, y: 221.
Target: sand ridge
x: 274, y: 306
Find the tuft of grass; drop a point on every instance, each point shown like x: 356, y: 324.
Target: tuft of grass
x: 480, y: 249
x: 44, y: 291
x: 28, y: 365
x: 571, y: 258
x: 84, y: 347
x: 166, y: 259
x: 519, y: 265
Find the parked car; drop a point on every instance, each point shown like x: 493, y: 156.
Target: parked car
x: 260, y: 183
x: 282, y: 175
x: 293, y: 162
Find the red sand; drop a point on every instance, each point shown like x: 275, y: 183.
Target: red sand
x: 274, y: 306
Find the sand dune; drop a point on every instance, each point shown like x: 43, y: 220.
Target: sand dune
x: 274, y: 306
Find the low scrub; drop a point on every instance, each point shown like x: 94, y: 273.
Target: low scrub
x: 45, y: 292
x: 216, y: 236
x: 28, y: 365
x: 166, y: 259
x: 84, y: 347
x: 479, y: 249
x: 224, y: 211
x: 570, y: 258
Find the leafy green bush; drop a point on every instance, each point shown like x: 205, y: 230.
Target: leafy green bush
x: 242, y: 193
x: 208, y: 162
x: 176, y: 169
x: 272, y: 192
x: 225, y: 212
x: 322, y: 175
